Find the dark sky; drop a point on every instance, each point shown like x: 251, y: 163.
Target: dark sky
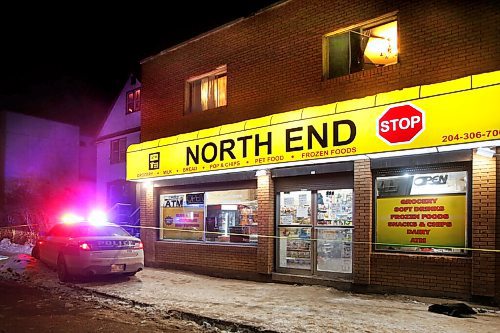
x: 68, y: 61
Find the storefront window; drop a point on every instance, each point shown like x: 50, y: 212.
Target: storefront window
x: 422, y: 212
x: 182, y: 216
x: 231, y: 216
x: 218, y: 216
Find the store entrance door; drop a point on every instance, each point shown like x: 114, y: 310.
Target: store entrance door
x: 315, y: 232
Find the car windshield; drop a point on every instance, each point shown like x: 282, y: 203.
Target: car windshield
x: 85, y: 231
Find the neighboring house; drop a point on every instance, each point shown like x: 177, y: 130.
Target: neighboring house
x: 120, y: 129
x: 332, y: 142
x: 46, y: 168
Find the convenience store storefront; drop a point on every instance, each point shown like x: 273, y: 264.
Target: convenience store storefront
x: 387, y: 191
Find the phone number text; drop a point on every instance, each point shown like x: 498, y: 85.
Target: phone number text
x: 471, y: 135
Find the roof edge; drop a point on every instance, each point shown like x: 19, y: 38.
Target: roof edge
x: 210, y: 32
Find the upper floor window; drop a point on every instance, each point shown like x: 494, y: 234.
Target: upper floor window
x: 133, y: 101
x: 362, y: 47
x: 207, y: 91
x: 118, y: 150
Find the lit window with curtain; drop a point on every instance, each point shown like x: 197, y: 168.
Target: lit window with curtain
x: 207, y: 91
x: 133, y: 101
x: 372, y: 45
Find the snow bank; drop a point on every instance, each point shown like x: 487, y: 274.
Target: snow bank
x: 8, y: 247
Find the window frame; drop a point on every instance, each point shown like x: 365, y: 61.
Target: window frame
x: 206, y: 234
x: 430, y: 169
x: 121, y: 154
x: 135, y: 102
x: 365, y: 25
x: 213, y: 100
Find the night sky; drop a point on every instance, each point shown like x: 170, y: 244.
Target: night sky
x: 68, y: 61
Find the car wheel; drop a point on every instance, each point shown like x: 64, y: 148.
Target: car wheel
x: 35, y: 252
x: 62, y: 270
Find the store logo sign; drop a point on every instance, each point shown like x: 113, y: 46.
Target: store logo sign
x: 400, y: 124
x: 154, y: 161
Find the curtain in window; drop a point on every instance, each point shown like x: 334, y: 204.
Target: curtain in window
x: 208, y: 92
x: 206, y: 88
x: 221, y: 91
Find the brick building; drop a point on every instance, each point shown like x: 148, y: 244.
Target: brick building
x: 333, y: 142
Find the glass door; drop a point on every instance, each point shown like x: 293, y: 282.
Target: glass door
x: 315, y: 230
x: 334, y: 229
x: 294, y: 230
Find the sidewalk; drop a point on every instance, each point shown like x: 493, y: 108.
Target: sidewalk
x: 290, y: 308
x: 271, y: 306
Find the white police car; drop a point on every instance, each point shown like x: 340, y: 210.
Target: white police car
x: 88, y: 249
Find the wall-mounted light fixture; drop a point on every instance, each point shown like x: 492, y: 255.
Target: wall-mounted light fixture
x: 147, y: 184
x: 261, y: 172
x: 486, y: 152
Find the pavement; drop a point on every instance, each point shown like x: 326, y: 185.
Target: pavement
x: 266, y: 306
x: 290, y: 308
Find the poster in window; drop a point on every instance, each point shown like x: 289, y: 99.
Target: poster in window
x: 179, y: 219
x: 429, y: 215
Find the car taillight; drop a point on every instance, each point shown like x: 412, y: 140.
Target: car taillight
x: 40, y: 242
x: 138, y: 245
x: 85, y: 246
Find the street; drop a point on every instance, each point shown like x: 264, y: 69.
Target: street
x: 28, y: 309
x: 168, y: 300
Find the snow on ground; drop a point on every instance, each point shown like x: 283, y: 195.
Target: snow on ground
x: 273, y: 306
x: 8, y: 247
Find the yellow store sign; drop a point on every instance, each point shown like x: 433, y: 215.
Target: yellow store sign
x: 438, y: 220
x: 460, y: 111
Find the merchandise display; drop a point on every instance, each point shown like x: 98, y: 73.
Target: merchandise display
x: 323, y: 233
x: 295, y: 246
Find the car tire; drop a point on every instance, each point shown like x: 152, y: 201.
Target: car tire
x: 62, y: 270
x: 35, y: 252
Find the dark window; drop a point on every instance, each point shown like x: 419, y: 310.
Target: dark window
x: 118, y: 150
x: 133, y: 101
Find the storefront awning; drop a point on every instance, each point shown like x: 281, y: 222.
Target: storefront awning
x: 437, y: 116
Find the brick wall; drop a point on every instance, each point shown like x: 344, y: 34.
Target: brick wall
x: 274, y: 59
x: 421, y: 274
x: 363, y: 194
x: 265, y: 195
x: 497, y: 233
x: 148, y: 222
x: 230, y: 260
x: 484, y: 222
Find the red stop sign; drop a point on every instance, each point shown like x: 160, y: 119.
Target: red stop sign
x: 400, y: 124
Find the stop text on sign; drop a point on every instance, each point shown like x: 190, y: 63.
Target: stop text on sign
x: 400, y: 124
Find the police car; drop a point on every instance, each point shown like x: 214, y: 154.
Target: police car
x: 86, y: 248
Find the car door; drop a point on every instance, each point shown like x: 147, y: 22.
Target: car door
x: 54, y: 241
